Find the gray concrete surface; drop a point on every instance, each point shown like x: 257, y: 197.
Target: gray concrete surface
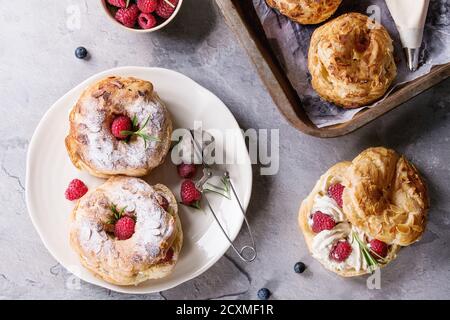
x: 37, y: 66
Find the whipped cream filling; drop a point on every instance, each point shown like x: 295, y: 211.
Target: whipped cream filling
x: 325, y: 240
x: 328, y: 206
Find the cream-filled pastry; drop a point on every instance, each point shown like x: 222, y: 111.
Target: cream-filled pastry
x: 126, y: 231
x: 348, y: 241
x: 119, y: 126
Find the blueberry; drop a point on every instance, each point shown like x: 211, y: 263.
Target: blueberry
x: 264, y: 294
x: 81, y: 52
x: 299, y: 267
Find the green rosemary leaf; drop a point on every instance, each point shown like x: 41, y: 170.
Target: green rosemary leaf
x: 226, y: 183
x: 139, y: 131
x: 135, y: 123
x: 143, y: 136
x: 136, y: 131
x: 223, y: 191
x: 365, y: 252
x: 116, y: 213
x: 216, y: 187
x: 148, y: 137
x: 145, y: 123
x: 195, y: 205
x: 113, y: 209
x: 217, y: 192
x: 127, y: 133
x: 371, y: 262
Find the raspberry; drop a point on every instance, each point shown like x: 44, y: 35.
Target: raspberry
x: 322, y: 221
x: 118, y: 3
x: 128, y: 16
x: 146, y: 21
x: 189, y: 193
x: 169, y: 256
x: 163, y: 202
x: 124, y: 228
x: 335, y: 192
x: 186, y: 170
x: 119, y: 124
x: 147, y: 6
x: 341, y: 251
x: 379, y: 247
x: 165, y: 10
x: 75, y: 190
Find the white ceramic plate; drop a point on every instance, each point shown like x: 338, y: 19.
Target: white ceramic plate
x: 49, y: 171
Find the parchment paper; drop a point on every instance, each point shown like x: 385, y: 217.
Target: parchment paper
x: 290, y: 41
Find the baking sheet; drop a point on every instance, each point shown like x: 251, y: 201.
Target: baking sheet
x: 290, y: 42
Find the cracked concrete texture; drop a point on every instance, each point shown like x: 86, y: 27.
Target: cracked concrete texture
x: 38, y: 66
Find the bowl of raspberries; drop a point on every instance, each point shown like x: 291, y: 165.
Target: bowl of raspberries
x: 142, y: 15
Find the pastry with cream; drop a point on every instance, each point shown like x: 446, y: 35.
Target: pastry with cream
x: 126, y: 231
x: 360, y: 213
x: 119, y: 126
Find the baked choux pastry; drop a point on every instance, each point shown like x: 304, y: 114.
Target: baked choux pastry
x: 386, y: 197
x: 351, y: 60
x: 361, y: 213
x: 126, y: 231
x: 119, y: 126
x: 306, y: 11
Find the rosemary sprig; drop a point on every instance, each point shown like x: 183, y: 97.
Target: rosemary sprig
x: 367, y: 253
x: 136, y: 131
x: 224, y: 191
x: 195, y: 204
x: 117, y: 214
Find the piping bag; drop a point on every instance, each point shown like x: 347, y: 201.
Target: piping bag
x: 409, y: 17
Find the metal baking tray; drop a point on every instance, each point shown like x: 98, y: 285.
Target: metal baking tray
x: 241, y: 17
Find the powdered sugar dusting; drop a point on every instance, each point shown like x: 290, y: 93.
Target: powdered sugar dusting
x: 153, y: 227
x: 103, y: 150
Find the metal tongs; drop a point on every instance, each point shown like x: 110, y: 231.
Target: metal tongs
x: 247, y: 253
